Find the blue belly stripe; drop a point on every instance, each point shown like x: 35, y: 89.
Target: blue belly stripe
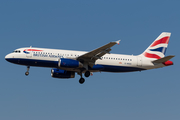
x: 32, y: 62
x: 54, y: 64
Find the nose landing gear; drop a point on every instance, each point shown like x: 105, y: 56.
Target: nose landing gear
x: 27, y: 72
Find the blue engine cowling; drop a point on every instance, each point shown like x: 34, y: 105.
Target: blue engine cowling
x: 69, y: 63
x: 58, y: 73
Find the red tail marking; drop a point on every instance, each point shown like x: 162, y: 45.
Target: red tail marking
x: 162, y: 40
x: 149, y: 55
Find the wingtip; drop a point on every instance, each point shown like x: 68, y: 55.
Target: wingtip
x: 118, y: 42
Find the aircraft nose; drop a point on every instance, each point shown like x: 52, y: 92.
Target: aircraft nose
x: 11, y: 58
x: 7, y: 57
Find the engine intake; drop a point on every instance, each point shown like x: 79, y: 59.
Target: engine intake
x: 58, y: 73
x: 70, y: 63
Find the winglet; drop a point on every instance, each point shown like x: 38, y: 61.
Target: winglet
x: 118, y: 42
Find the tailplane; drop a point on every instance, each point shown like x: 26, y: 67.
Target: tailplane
x: 158, y: 48
x: 166, y: 60
x: 163, y: 60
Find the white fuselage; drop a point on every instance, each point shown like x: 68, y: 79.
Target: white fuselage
x: 42, y: 57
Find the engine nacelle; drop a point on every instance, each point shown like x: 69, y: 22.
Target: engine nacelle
x: 70, y: 63
x: 58, y: 73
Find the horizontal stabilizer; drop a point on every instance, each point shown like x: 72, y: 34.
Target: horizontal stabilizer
x: 164, y: 59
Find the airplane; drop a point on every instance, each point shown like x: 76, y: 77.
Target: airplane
x: 65, y: 63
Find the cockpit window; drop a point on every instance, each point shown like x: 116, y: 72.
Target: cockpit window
x: 17, y: 51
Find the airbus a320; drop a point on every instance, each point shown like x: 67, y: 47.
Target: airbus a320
x: 65, y: 63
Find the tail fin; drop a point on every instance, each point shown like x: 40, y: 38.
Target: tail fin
x: 158, y: 48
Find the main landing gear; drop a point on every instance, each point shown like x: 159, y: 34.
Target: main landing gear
x: 27, y: 72
x: 81, y: 80
x: 86, y: 74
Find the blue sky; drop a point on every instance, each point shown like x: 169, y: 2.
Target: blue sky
x: 86, y: 25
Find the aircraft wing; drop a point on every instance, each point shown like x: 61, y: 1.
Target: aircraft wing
x: 93, y: 55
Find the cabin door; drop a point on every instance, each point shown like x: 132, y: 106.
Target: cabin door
x: 139, y: 61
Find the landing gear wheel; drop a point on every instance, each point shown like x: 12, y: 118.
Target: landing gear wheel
x: 81, y: 80
x: 87, y: 74
x: 26, y: 73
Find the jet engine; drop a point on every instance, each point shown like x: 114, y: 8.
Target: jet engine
x: 58, y: 73
x: 69, y: 63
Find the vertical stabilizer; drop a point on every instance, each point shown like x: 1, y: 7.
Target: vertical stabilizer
x: 158, y: 48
